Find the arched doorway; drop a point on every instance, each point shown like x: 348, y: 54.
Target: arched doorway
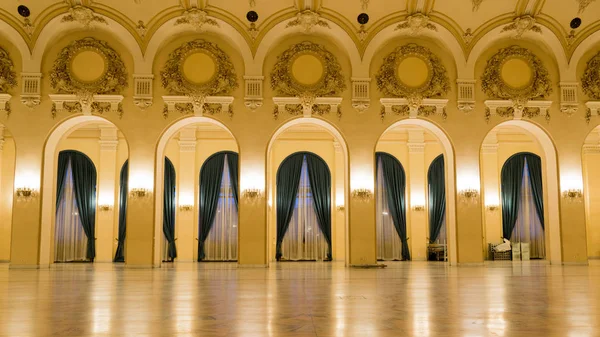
x: 106, y: 149
x: 522, y: 200
x: 517, y: 161
x: 304, y: 207
x: 318, y: 137
x: 425, y: 154
x: 591, y: 189
x: 192, y: 144
x: 7, y: 183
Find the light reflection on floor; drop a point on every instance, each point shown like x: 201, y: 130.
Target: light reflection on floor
x: 302, y: 299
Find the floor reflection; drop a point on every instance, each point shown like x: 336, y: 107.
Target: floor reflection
x: 302, y: 299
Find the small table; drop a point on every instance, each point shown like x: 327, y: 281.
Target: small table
x: 437, y: 252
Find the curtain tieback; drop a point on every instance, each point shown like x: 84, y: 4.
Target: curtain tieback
x: 405, y: 240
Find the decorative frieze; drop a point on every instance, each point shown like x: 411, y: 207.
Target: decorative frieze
x: 516, y: 110
x: 522, y: 24
x: 307, y: 20
x: 86, y: 104
x: 84, y: 16
x: 466, y: 95
x: 591, y: 149
x: 416, y: 23
x: 416, y: 147
x: 31, y: 94
x: 196, y: 18
x: 254, y: 92
x: 307, y: 106
x: 198, y: 105
x: 413, y: 109
x: 143, y: 93
x: 361, y: 98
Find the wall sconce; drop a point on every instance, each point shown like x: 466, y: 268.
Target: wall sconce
x: 418, y: 208
x: 105, y: 208
x: 139, y: 192
x: 573, y: 195
x: 25, y: 193
x: 340, y: 208
x: 252, y: 193
x: 186, y: 208
x: 362, y: 193
x: 469, y: 195
x: 492, y: 208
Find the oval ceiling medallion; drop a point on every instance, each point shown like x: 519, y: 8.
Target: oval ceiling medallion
x: 199, y: 68
x: 307, y: 69
x: 516, y: 73
x: 88, y: 66
x: 413, y: 72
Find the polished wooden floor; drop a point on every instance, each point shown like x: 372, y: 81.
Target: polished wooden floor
x: 302, y: 299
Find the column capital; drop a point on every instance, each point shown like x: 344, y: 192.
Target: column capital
x: 416, y: 147
x: 187, y: 145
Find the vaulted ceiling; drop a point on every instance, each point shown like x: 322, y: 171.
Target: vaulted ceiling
x: 467, y: 20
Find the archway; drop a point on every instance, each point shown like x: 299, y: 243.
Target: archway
x: 7, y: 183
x: 188, y: 143
x: 501, y: 144
x: 324, y: 140
x: 107, y: 148
x: 416, y: 143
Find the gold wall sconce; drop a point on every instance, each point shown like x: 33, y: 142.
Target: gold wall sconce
x: 186, y: 208
x: 469, y: 196
x: 25, y: 193
x: 105, y: 208
x: 418, y: 208
x: 139, y: 192
x: 362, y: 194
x: 340, y: 208
x: 492, y: 208
x: 252, y: 193
x: 573, y: 195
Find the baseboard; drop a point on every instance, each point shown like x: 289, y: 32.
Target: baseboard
x: 583, y: 263
x: 589, y: 258
x: 470, y: 264
x: 4, y: 261
x: 250, y: 266
x: 368, y: 266
x: 25, y: 266
x: 140, y: 266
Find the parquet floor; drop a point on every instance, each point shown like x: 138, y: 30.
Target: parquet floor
x: 302, y: 299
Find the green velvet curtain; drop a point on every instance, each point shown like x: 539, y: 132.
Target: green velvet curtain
x: 211, y: 175
x: 319, y: 178
x: 232, y: 162
x: 61, y: 173
x: 169, y: 208
x: 436, y: 180
x: 511, y: 180
x: 395, y: 180
x: 124, y: 180
x: 288, y: 178
x: 84, y: 181
x: 534, y: 163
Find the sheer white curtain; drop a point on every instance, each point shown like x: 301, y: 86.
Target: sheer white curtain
x: 389, y: 246
x: 303, y: 239
x: 222, y: 241
x: 70, y: 241
x: 528, y: 228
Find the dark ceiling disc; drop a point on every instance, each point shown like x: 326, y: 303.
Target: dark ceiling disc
x: 23, y: 11
x: 575, y: 23
x: 252, y: 16
x: 363, y: 18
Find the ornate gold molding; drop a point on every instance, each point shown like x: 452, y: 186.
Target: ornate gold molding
x: 222, y: 83
x: 494, y: 86
x: 8, y: 77
x: 388, y: 82
x: 112, y: 81
x: 332, y: 83
x: 583, y: 4
x: 83, y: 15
x: 196, y: 18
x: 521, y: 25
x: 308, y: 20
x: 416, y: 23
x: 590, y: 81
